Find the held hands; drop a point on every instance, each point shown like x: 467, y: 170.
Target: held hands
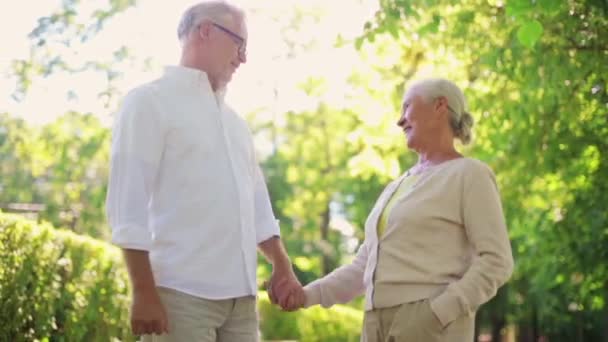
x: 285, y: 290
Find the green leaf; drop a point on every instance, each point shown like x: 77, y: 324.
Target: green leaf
x: 551, y: 6
x: 393, y: 28
x: 466, y: 17
x: 359, y: 42
x: 519, y: 8
x: 432, y: 27
x: 529, y: 33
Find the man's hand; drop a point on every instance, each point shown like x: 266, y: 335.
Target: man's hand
x: 148, y: 316
x: 296, y: 300
x: 285, y: 290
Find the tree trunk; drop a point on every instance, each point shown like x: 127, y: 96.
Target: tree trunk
x: 476, y: 329
x: 498, y: 323
x: 605, y: 314
x: 535, y: 328
x: 325, y: 265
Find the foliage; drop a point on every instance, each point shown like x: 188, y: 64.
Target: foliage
x: 62, y: 165
x: 535, y: 75
x: 68, y: 30
x: 67, y: 287
x: 338, y: 323
x: 54, y: 283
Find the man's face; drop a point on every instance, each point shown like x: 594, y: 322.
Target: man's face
x: 228, y: 44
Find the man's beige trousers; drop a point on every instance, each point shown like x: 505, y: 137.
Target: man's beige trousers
x: 202, y: 320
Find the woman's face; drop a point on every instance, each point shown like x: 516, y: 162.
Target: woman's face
x: 418, y: 119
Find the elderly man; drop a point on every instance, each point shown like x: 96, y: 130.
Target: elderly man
x: 187, y: 201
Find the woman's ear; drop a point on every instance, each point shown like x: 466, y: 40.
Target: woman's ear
x: 441, y: 104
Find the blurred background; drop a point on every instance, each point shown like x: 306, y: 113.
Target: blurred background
x: 321, y: 91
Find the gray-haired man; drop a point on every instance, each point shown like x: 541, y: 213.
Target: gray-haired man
x: 187, y: 201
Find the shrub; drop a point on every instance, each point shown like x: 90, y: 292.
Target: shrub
x: 338, y: 323
x: 57, y: 284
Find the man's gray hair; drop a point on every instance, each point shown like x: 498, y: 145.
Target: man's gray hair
x: 214, y: 10
x: 461, y: 120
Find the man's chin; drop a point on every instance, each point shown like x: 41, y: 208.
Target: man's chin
x: 226, y: 79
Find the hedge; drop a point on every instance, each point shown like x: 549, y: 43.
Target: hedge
x: 56, y: 285
x: 339, y: 323
x: 59, y: 286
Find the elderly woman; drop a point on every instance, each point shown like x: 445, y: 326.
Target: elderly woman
x: 436, y: 246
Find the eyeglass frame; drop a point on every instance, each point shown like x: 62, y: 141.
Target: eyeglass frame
x: 240, y: 41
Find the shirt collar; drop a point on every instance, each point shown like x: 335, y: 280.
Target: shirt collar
x: 193, y: 78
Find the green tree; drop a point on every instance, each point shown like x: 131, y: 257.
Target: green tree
x: 62, y: 166
x: 60, y: 35
x: 535, y: 76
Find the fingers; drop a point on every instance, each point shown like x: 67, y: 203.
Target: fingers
x: 292, y: 303
x: 165, y: 325
x: 140, y: 327
x: 284, y: 289
x: 295, y: 300
x: 271, y: 295
x: 137, y: 328
x: 286, y: 292
x: 158, y: 327
x: 283, y: 296
x: 283, y: 300
x: 151, y: 327
x: 300, y: 299
x: 148, y: 316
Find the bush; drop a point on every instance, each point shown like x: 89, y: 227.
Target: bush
x: 59, y: 286
x: 339, y: 323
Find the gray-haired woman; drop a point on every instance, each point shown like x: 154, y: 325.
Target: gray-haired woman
x: 436, y: 245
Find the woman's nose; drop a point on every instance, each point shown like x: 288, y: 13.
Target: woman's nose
x: 402, y: 120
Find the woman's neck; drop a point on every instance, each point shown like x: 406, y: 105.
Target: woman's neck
x: 432, y: 158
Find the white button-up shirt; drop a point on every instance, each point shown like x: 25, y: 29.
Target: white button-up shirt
x: 185, y: 186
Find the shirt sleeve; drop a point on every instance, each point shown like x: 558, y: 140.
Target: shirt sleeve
x: 340, y: 286
x: 137, y: 144
x: 266, y: 225
x: 486, y: 230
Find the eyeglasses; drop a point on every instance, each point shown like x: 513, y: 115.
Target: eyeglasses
x: 240, y: 41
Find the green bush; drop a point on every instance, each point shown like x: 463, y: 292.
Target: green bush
x: 59, y: 286
x: 315, y: 324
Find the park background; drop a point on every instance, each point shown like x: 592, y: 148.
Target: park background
x: 321, y: 91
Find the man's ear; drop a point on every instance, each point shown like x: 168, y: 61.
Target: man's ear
x: 204, y: 30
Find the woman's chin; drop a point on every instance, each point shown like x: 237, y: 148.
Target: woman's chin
x: 410, y: 143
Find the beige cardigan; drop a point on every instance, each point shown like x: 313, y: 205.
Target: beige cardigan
x: 446, y: 240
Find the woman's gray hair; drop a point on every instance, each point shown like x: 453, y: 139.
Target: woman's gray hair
x: 215, y: 10
x: 461, y: 120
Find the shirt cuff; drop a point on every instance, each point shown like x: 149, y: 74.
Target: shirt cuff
x: 313, y: 294
x: 132, y: 237
x: 267, y: 230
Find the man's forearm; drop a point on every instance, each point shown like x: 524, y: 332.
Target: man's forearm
x: 140, y: 271
x: 284, y: 288
x: 275, y: 253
